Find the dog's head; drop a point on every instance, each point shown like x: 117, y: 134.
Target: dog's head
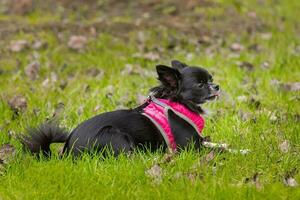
x: 189, y: 85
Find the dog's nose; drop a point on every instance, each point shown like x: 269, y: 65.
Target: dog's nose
x: 216, y: 87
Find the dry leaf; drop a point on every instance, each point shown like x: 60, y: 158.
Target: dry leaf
x: 208, y: 157
x: 206, y: 40
x: 38, y: 44
x: 265, y: 65
x: 18, y: 103
x: 254, y: 180
x: 97, y: 108
x: 266, y: 36
x: 94, y: 72
x: 291, y: 86
x: 245, y: 116
x: 11, y: 134
x: 236, y: 47
x: 155, y: 172
x: 18, y: 45
x: 80, y: 110
x: 168, y: 157
x: 295, y: 86
x: 273, y: 117
x: 46, y: 82
x: 109, y: 91
x: 7, y: 151
x: 59, y: 108
x: 242, y: 98
x: 290, y: 181
x: 77, y: 42
x: 246, y: 65
x: 284, y: 146
x: 32, y: 70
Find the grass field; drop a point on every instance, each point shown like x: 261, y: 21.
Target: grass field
x: 73, y: 60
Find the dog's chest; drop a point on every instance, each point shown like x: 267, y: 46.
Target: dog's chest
x: 158, y: 111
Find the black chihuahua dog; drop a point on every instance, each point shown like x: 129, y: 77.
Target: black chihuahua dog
x: 126, y: 130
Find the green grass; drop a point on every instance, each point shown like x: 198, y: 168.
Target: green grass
x: 92, y: 177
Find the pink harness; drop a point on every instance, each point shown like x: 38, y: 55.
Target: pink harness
x: 157, y: 112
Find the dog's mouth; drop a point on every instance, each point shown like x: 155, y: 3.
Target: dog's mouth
x: 213, y: 96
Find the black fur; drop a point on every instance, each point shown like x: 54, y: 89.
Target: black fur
x: 40, y: 138
x: 126, y: 130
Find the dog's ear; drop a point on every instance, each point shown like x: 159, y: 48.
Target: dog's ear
x: 178, y: 65
x: 169, y: 77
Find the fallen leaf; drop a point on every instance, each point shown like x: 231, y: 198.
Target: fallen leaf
x: 128, y: 70
x: 273, y: 117
x: 46, y: 82
x: 246, y: 65
x: 94, y: 72
x: 265, y: 65
x: 254, y: 180
x: 246, y: 116
x: 255, y: 47
x: 11, y: 134
x: 189, y: 56
x: 242, y: 98
x: 109, y: 91
x: 284, y: 146
x: 38, y: 44
x: 77, y: 42
x: 18, y: 45
x: 290, y: 181
x: 54, y: 77
x: 236, y: 47
x: 155, y: 172
x: 193, y: 176
x: 292, y: 86
x: 7, y: 151
x: 32, y: 70
x: 275, y: 82
x: 208, y: 157
x: 59, y: 108
x: 266, y: 36
x: 18, y: 103
x: 205, y: 40
x: 80, y: 110
x: 97, y: 108
x: 168, y: 157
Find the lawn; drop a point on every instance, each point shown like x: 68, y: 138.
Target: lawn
x: 72, y: 60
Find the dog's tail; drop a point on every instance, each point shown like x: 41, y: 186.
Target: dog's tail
x: 39, y: 139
